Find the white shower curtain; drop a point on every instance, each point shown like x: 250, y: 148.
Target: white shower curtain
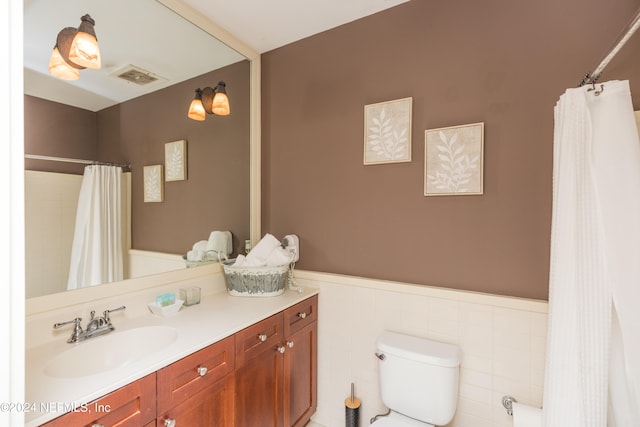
x: 592, y: 376
x: 97, y: 251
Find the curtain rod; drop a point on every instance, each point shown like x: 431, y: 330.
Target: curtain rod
x: 68, y: 160
x: 624, y: 36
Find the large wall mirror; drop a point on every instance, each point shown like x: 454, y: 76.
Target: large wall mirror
x: 103, y: 117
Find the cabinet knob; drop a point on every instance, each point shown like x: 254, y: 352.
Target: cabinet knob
x: 169, y: 422
x: 290, y: 344
x: 262, y: 337
x: 282, y: 349
x: 202, y: 371
x: 302, y: 315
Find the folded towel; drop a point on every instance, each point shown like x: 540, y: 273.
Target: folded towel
x: 239, y: 261
x: 261, y: 251
x: 278, y: 257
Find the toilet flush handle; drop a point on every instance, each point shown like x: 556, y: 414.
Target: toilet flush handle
x: 380, y: 356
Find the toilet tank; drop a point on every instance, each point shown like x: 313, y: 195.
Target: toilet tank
x: 419, y: 377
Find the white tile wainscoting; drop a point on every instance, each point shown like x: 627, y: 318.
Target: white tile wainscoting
x: 502, y: 340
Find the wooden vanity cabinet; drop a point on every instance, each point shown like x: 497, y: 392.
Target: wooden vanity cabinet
x: 198, y: 389
x: 133, y: 405
x: 263, y: 376
x: 276, y: 369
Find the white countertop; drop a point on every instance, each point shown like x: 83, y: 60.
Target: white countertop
x: 219, y: 315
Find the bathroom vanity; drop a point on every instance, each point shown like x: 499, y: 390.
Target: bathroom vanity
x: 228, y: 361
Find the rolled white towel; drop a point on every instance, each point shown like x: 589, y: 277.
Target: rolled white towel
x: 278, y: 257
x: 261, y: 251
x: 244, y: 261
x: 200, y: 246
x: 195, y: 255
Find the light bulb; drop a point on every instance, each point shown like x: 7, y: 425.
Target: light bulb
x: 84, y: 51
x: 196, y: 110
x: 220, y: 104
x: 59, y: 68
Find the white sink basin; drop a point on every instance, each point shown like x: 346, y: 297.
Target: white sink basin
x: 111, y: 351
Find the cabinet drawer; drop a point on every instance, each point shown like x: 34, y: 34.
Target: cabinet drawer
x: 194, y: 373
x: 264, y: 335
x: 129, y: 406
x: 300, y: 315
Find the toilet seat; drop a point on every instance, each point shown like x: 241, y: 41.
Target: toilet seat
x: 395, y: 419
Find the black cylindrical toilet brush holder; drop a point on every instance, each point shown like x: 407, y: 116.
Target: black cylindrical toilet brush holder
x: 352, y: 410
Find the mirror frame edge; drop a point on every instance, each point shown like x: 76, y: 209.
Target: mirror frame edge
x: 198, y: 19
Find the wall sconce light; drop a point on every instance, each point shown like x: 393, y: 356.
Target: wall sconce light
x: 210, y: 101
x: 75, y: 49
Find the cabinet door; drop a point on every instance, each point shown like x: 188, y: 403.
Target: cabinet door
x: 212, y: 406
x: 259, y: 374
x: 130, y: 406
x: 300, y: 376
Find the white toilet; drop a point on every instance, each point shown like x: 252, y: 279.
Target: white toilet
x: 418, y: 380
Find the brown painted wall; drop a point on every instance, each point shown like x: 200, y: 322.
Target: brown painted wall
x: 463, y: 61
x: 53, y: 129
x: 216, y: 194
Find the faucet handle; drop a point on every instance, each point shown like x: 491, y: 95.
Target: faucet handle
x: 77, y: 321
x: 77, y: 329
x: 106, y: 313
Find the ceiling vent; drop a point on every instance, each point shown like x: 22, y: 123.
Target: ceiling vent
x: 137, y: 75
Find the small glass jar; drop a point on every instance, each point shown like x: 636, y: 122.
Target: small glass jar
x: 190, y: 295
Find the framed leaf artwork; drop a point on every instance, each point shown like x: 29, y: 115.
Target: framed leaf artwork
x: 153, y: 188
x: 454, y: 160
x: 387, y: 132
x: 175, y: 161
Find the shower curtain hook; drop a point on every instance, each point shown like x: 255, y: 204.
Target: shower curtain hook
x: 598, y: 92
x: 593, y: 87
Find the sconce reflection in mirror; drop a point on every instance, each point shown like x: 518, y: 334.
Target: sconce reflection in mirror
x: 210, y: 101
x: 75, y: 49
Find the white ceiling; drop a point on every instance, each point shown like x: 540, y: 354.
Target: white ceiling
x: 147, y: 35
x: 266, y: 25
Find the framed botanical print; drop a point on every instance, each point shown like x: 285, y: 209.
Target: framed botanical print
x: 387, y: 132
x: 153, y: 184
x: 454, y: 160
x: 175, y: 161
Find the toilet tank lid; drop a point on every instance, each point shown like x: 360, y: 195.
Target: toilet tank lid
x: 419, y: 349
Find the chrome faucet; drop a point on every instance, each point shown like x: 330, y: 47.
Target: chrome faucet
x: 97, y: 326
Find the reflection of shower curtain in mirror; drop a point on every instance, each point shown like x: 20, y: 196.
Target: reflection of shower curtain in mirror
x: 97, y: 252
x: 592, y: 375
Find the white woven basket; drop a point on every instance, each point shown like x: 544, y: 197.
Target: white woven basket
x: 255, y: 281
